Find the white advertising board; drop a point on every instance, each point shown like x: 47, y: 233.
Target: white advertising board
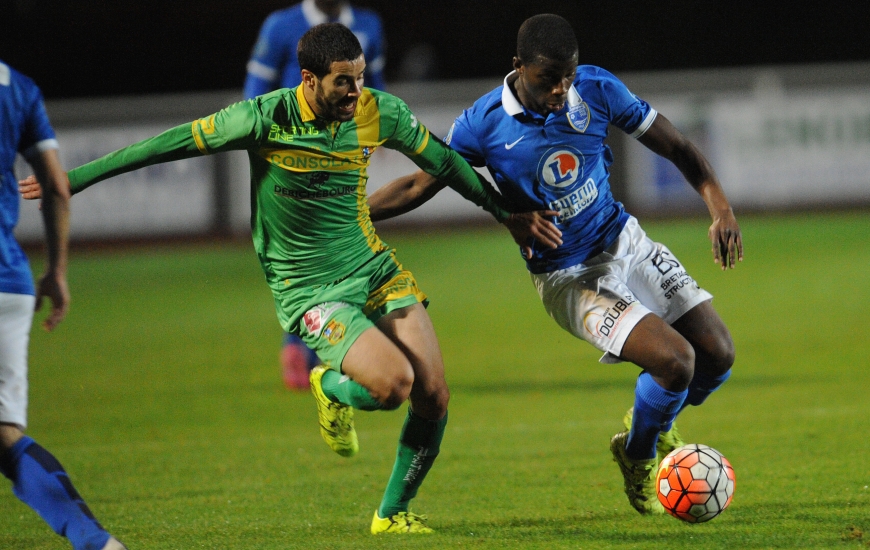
x: 771, y: 151
x: 175, y: 198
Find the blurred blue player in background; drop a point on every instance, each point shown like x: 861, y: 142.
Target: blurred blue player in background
x: 37, y: 477
x: 274, y: 65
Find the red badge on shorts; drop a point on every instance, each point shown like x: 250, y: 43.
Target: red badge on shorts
x: 312, y: 320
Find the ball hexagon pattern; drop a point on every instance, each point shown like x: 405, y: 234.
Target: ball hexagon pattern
x: 695, y: 483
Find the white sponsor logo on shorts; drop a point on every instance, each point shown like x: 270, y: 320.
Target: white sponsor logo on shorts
x: 603, y: 324
x: 674, y: 283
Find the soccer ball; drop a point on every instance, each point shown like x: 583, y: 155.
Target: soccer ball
x: 695, y: 483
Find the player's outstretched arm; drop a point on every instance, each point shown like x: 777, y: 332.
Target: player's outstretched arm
x: 408, y: 192
x: 230, y: 129
x: 403, y: 195
x: 664, y: 139
x: 174, y: 144
x: 55, y: 213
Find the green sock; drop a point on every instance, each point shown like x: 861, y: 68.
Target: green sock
x: 342, y: 389
x: 418, y: 446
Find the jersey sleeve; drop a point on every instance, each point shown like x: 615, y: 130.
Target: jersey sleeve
x: 231, y: 128
x: 630, y: 113
x: 433, y: 156
x: 38, y: 135
x: 376, y: 54
x: 463, y: 140
x: 255, y: 85
x: 266, y: 60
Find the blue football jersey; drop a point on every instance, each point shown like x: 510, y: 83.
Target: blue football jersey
x: 558, y: 162
x: 25, y: 129
x: 274, y: 64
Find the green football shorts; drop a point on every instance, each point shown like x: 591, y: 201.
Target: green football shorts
x: 330, y: 317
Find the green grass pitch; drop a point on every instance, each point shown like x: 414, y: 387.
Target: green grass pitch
x: 162, y: 396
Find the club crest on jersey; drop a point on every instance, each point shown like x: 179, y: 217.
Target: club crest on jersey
x: 578, y: 116
x: 561, y: 167
x: 317, y: 179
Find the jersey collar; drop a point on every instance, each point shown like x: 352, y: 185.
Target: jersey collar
x: 512, y: 105
x: 315, y: 17
x: 305, y: 110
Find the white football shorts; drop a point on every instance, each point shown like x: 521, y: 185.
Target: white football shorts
x: 603, y: 299
x: 16, y: 316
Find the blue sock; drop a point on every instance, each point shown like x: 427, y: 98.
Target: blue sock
x: 654, y: 410
x: 41, y: 482
x: 702, y: 386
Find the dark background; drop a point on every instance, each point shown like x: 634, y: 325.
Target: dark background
x: 97, y: 48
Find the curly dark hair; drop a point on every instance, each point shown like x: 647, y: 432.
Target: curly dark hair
x: 324, y: 44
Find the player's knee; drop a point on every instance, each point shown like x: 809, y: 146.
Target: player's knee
x: 9, y: 435
x: 435, y: 402
x: 681, y: 367
x: 442, y: 399
x: 723, y: 357
x: 398, y: 389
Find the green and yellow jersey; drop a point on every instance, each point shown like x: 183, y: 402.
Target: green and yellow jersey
x: 309, y: 215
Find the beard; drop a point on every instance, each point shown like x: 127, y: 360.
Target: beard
x: 331, y: 110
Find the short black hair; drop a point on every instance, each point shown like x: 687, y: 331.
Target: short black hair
x: 324, y: 44
x: 546, y: 35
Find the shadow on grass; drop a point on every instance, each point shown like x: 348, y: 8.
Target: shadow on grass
x: 530, y: 386
x: 572, y: 385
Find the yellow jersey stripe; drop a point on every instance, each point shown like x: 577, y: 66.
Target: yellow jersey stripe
x: 206, y: 126
x: 368, y: 121
x: 423, y: 145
